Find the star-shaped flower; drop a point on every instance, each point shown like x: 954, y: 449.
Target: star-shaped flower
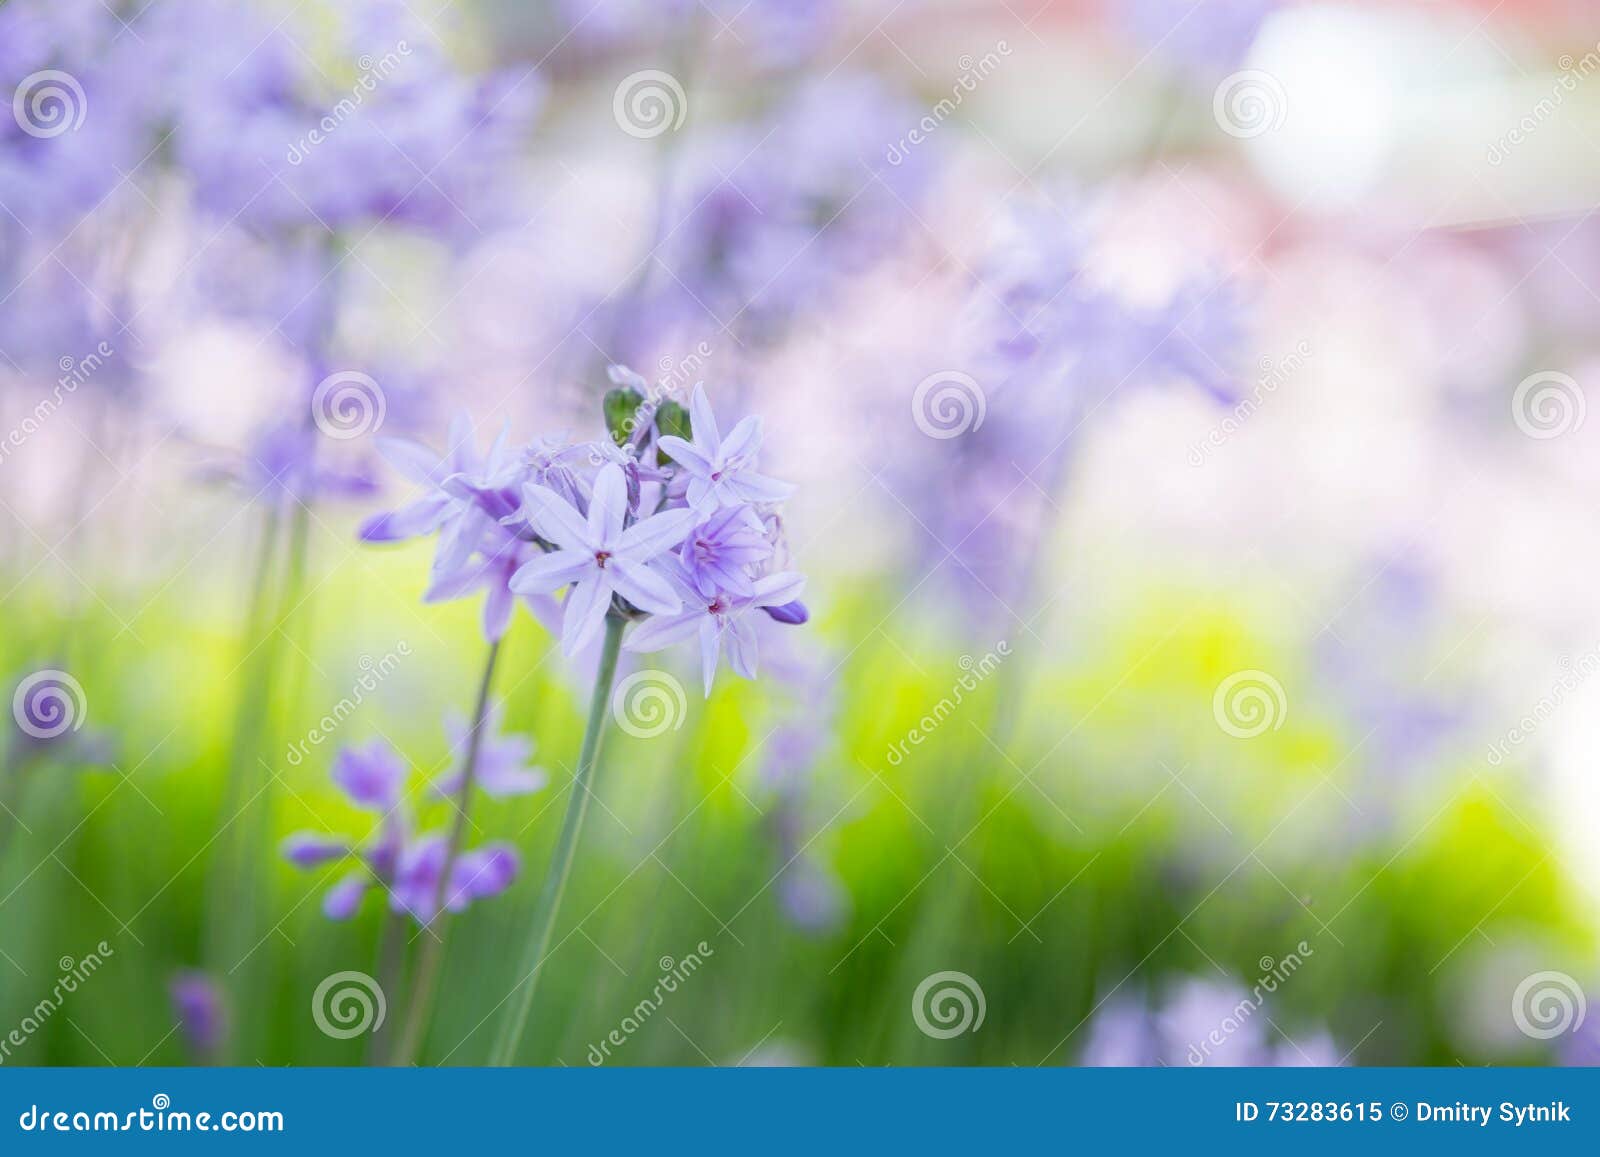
x: 722, y: 470
x: 721, y: 621
x: 599, y: 555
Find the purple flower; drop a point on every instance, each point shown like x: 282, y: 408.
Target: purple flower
x: 722, y: 470
x: 720, y: 622
x: 454, y: 504
x: 491, y: 571
x: 283, y: 465
x: 475, y: 875
x: 310, y: 850
x: 503, y: 768
x: 599, y: 556
x: 372, y: 776
x: 396, y: 858
x: 1205, y: 39
x: 201, y: 1010
x: 1202, y: 1022
x: 718, y: 554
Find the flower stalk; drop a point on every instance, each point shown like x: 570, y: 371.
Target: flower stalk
x: 432, y: 958
x: 555, y: 883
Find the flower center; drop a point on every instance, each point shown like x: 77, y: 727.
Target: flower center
x: 716, y: 606
x: 601, y: 557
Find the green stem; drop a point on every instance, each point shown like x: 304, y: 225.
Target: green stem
x: 427, y: 978
x: 391, y: 962
x: 555, y: 881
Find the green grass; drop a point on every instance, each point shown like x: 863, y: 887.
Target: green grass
x: 1118, y: 839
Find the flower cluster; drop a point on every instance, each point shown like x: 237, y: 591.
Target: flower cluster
x: 667, y: 519
x: 407, y: 863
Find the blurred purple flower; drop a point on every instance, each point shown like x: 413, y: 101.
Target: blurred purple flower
x: 1205, y: 39
x: 201, y: 1009
x: 1201, y: 1022
x: 503, y: 760
x: 372, y: 777
x: 283, y: 464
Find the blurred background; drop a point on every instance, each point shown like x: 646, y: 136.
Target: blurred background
x: 1188, y: 404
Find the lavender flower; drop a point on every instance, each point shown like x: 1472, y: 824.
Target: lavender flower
x: 721, y: 471
x: 599, y: 556
x: 721, y: 623
x: 503, y: 768
x: 1201, y: 1022
x: 372, y: 777
x: 718, y: 554
x: 453, y: 505
x: 406, y: 863
x: 198, y: 1002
